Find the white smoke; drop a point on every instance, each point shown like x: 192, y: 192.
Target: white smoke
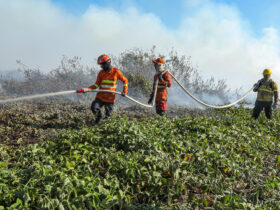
x: 220, y: 42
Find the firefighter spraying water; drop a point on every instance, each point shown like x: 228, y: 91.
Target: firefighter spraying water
x: 106, y: 80
x: 106, y: 84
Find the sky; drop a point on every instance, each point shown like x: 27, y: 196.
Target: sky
x: 231, y: 40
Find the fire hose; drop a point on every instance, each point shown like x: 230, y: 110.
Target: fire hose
x: 126, y: 96
x: 185, y: 90
x: 130, y: 98
x: 208, y: 105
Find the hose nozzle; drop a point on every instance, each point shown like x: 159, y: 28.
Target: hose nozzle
x: 80, y: 91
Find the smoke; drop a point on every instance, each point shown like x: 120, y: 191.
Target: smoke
x: 177, y: 97
x: 220, y: 41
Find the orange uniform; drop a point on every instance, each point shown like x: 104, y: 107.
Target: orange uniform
x: 162, y: 88
x: 107, y: 80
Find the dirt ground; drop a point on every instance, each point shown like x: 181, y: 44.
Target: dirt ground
x: 34, y: 121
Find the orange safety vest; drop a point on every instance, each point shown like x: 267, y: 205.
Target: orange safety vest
x: 162, y: 88
x: 107, y: 80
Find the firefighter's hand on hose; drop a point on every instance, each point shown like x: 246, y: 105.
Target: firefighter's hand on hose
x: 124, y: 94
x: 256, y: 86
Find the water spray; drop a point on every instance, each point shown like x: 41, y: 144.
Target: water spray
x: 37, y: 96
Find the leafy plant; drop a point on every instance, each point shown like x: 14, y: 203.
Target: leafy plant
x: 221, y: 161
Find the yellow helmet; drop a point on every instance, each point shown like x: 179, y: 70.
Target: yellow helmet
x: 267, y: 72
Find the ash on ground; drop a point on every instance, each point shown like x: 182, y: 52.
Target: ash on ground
x: 38, y: 120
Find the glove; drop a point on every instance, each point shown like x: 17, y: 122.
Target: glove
x: 150, y: 100
x: 257, y: 85
x: 124, y: 94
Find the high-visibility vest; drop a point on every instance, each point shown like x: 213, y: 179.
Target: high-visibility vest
x: 267, y: 91
x: 107, y: 80
x: 161, y: 85
x: 162, y: 88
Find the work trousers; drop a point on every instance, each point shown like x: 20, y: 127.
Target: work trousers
x: 161, y: 107
x: 259, y: 106
x: 96, y: 106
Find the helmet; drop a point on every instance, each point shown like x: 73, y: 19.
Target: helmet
x: 159, y: 60
x: 103, y: 58
x: 267, y: 72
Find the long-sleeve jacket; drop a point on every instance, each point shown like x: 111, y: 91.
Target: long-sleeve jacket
x: 162, y: 88
x: 107, y: 80
x: 267, y: 90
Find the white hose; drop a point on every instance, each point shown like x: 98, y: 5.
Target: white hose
x: 130, y: 98
x: 208, y: 105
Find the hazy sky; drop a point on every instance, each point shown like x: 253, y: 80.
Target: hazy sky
x: 233, y: 40
x: 259, y: 13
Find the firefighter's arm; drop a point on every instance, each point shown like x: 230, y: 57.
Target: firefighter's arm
x: 257, y: 85
x: 97, y: 83
x: 276, y: 93
x: 168, y: 79
x: 125, y: 82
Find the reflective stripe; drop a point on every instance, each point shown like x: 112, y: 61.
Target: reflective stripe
x: 108, y: 86
x: 112, y: 84
x: 265, y: 93
x: 125, y: 85
x: 266, y: 90
x: 163, y: 86
x: 109, y: 81
x: 96, y: 85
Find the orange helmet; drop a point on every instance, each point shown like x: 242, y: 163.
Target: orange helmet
x: 159, y: 60
x: 103, y: 58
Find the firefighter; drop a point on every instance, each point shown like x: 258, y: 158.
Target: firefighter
x: 267, y: 90
x: 106, y: 80
x: 164, y: 82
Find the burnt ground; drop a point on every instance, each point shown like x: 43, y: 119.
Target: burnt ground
x: 35, y: 121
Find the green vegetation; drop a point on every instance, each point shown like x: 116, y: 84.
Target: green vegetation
x: 52, y: 157
x: 224, y: 161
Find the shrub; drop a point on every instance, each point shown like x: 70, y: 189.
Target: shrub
x: 135, y: 64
